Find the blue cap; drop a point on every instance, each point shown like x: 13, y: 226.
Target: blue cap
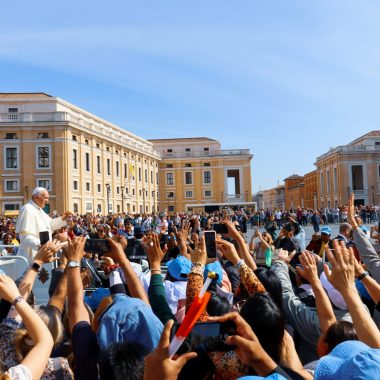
x: 349, y: 360
x: 214, y: 267
x: 94, y: 299
x: 131, y: 320
x: 273, y: 376
x: 326, y: 230
x: 363, y: 228
x: 179, y: 268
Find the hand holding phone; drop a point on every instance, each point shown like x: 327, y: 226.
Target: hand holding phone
x: 101, y: 246
x: 44, y: 237
x: 210, y: 239
x: 220, y: 228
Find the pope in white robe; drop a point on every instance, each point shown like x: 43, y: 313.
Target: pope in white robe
x: 32, y: 220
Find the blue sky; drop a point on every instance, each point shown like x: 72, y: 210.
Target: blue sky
x: 286, y: 79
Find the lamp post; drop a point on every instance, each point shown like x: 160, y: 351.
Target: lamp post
x: 373, y: 194
x: 27, y: 192
x: 108, y: 187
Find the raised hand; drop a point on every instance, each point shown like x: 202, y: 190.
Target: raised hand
x: 309, y: 268
x: 46, y: 252
x: 76, y: 249
x: 199, y: 254
x: 8, y: 288
x: 154, y: 252
x: 228, y: 250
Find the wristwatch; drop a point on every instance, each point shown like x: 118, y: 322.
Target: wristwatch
x: 16, y: 301
x: 73, y: 264
x: 363, y: 275
x: 36, y: 267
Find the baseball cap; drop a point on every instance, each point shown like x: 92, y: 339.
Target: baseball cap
x: 214, y: 267
x: 351, y: 359
x: 326, y: 230
x: 179, y: 268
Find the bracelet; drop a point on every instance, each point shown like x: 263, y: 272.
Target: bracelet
x: 113, y: 267
x: 239, y: 264
x: 16, y: 301
x: 363, y: 275
x: 156, y: 270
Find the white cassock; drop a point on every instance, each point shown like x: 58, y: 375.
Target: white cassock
x: 31, y: 221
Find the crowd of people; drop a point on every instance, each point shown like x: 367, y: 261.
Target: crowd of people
x: 288, y: 309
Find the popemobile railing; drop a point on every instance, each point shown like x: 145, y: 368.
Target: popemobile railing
x: 12, y: 265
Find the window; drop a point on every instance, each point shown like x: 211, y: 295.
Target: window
x: 134, y: 208
x: 86, y: 142
x: 99, y: 208
x: 146, y: 175
x: 75, y: 207
x: 117, y: 208
x: 133, y: 191
x: 107, y: 148
x: 187, y: 150
x: 116, y: 151
x: 188, y: 178
x: 87, y: 162
x: 88, y: 206
x: 75, y: 159
x: 126, y: 190
x: 335, y: 180
x: 206, y: 164
x: 98, y: 165
x: 46, y: 183
x: 140, y: 193
x: 170, y: 194
x: 169, y: 179
x: 328, y: 181
x: 125, y: 171
x: 43, y: 156
x: 207, y: 193
x: 108, y: 166
x: 170, y: 150
x: 151, y: 176
x: 11, y: 185
x: 189, y: 194
x: 139, y: 174
x: 88, y: 186
x: 11, y: 206
x: 206, y: 149
x: 12, y: 110
x: 187, y: 165
x: 169, y: 165
x: 322, y: 183
x: 117, y: 168
x: 153, y: 194
x: 11, y: 158
x: 43, y: 135
x: 74, y: 138
x: 117, y: 190
x: 99, y: 188
x: 11, y: 136
x: 207, y: 177
x: 98, y: 146
x: 75, y: 185
x: 357, y: 177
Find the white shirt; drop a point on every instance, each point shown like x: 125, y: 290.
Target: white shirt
x: 31, y: 221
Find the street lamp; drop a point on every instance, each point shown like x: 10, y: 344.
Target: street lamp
x: 108, y: 187
x: 373, y: 194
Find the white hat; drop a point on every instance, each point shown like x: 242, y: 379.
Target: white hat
x: 38, y: 190
x: 334, y: 295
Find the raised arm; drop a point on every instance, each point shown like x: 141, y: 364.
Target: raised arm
x: 342, y: 278
x: 38, y: 356
x: 310, y: 273
x: 134, y: 284
x: 373, y: 288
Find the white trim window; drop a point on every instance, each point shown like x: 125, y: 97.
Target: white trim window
x: 189, y: 194
x: 75, y: 185
x: 208, y: 193
x: 11, y: 157
x: 207, y: 177
x: 44, y: 182
x: 170, y: 179
x: 43, y: 156
x: 188, y: 178
x: 11, y: 206
x: 11, y: 185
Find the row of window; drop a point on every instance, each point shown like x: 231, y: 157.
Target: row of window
x: 108, y: 167
x: 188, y: 165
x: 14, y: 136
x: 89, y: 208
x: 188, y: 194
x: 170, y: 150
x: 188, y: 178
x: 42, y: 152
x: 13, y: 185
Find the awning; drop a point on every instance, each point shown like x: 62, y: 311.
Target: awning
x: 11, y: 213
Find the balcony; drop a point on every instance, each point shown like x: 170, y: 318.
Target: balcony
x: 350, y: 149
x: 94, y: 125
x: 215, y: 153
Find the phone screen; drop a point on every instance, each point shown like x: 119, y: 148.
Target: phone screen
x: 210, y: 243
x: 220, y: 228
x: 206, y: 337
x: 101, y: 246
x: 44, y: 237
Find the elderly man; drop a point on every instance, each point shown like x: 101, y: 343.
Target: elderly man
x: 33, y: 220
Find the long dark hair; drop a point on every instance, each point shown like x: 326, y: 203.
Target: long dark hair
x: 267, y: 322
x: 339, y: 332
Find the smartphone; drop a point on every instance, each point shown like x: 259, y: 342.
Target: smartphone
x: 100, y: 246
x: 44, y: 237
x: 296, y: 259
x: 210, y: 237
x: 220, y: 228
x: 206, y: 337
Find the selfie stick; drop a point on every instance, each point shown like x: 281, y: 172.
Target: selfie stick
x: 196, y: 309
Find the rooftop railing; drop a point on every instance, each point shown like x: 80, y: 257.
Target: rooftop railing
x: 212, y: 153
